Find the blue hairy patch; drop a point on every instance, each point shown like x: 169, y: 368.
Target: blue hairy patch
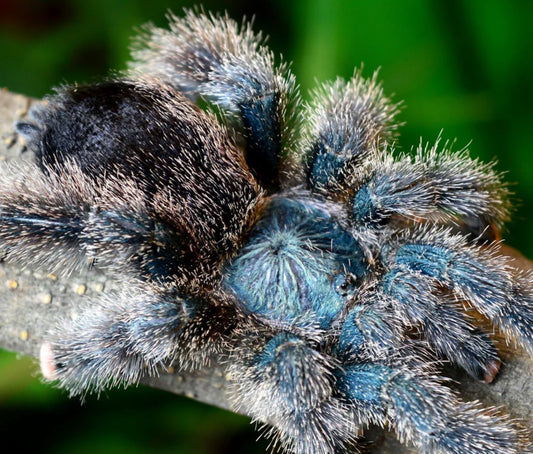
x: 482, y: 280
x: 410, y: 399
x: 285, y: 352
x: 462, y: 270
x: 364, y: 382
x: 363, y: 327
x: 351, y: 338
x: 364, y: 208
x: 326, y: 168
x: 431, y: 260
x: 296, y: 372
x: 370, y: 385
x: 400, y: 286
x: 293, y: 263
x: 261, y: 122
x: 272, y: 347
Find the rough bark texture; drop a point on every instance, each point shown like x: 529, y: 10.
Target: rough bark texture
x: 31, y: 300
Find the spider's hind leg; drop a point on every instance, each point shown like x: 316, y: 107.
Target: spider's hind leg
x: 213, y: 57
x: 112, y: 341
x: 124, y: 335
x: 65, y: 222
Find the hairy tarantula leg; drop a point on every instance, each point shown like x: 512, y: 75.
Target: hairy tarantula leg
x: 115, y: 340
x: 477, y: 274
x: 347, y: 122
x: 374, y: 327
x: 370, y: 329
x: 65, y: 221
x: 122, y: 336
x: 213, y: 57
x: 41, y: 221
x: 432, y: 185
x: 424, y: 412
x: 442, y: 323
x: 288, y: 384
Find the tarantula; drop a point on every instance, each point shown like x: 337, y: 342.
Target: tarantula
x: 287, y: 239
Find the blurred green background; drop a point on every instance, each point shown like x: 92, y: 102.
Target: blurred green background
x: 462, y: 67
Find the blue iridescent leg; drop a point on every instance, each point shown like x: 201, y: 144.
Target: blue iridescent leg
x: 375, y: 326
x: 216, y: 58
x: 422, y: 411
x: 383, y: 382
x: 479, y: 275
x: 371, y: 329
x: 348, y: 119
x: 442, y: 323
x: 290, y: 385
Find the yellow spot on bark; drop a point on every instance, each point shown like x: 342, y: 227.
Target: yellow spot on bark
x: 47, y: 298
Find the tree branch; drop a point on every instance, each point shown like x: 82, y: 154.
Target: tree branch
x: 31, y: 301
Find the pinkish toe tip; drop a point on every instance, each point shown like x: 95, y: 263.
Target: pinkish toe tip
x: 46, y: 359
x: 492, y: 371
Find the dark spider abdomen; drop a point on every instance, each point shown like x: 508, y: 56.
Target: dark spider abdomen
x: 198, y: 195
x: 296, y: 264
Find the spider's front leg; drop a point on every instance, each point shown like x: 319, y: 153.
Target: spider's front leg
x: 479, y: 275
x: 347, y: 159
x: 424, y: 412
x: 213, y: 57
x: 348, y: 121
x: 283, y: 381
x: 442, y: 322
x: 434, y: 186
x: 385, y: 379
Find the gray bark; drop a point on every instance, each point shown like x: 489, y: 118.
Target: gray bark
x: 31, y: 301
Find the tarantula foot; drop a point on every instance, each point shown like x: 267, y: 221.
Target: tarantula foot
x: 492, y: 371
x: 46, y: 361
